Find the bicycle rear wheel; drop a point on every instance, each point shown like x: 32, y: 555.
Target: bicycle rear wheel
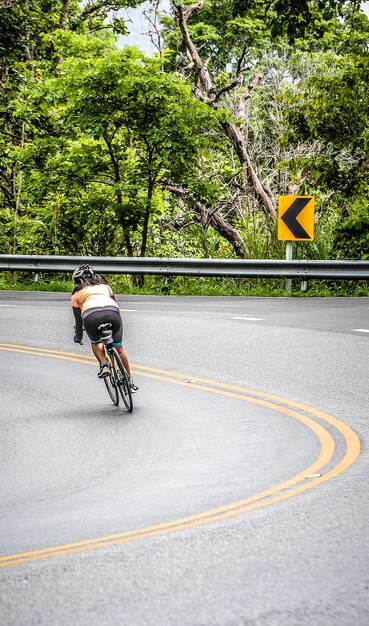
x: 111, y: 385
x: 123, y: 383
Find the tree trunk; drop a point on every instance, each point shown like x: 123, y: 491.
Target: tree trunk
x: 238, y: 141
x: 7, y: 188
x: 118, y: 193
x: 17, y: 190
x: 64, y: 13
x: 228, y: 232
x: 211, y: 96
x: 145, y: 227
x: 204, y: 216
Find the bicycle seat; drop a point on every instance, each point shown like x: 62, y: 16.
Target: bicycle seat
x: 106, y: 333
x: 105, y: 326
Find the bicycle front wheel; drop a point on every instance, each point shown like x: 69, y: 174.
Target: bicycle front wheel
x: 111, y: 384
x: 122, y: 380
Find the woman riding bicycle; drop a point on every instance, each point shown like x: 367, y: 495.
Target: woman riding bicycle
x: 94, y: 303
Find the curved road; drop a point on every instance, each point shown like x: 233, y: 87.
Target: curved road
x: 237, y: 491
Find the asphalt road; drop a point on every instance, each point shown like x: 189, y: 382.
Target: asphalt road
x: 214, y: 502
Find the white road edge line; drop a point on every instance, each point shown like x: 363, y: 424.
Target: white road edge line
x: 360, y: 330
x: 248, y: 319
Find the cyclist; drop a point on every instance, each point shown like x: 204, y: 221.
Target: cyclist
x: 93, y: 304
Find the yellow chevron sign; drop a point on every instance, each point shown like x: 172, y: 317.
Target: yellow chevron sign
x: 296, y: 218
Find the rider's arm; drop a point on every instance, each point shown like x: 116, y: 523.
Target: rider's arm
x: 78, y: 327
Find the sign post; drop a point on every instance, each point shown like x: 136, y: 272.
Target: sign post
x: 289, y: 257
x: 295, y: 223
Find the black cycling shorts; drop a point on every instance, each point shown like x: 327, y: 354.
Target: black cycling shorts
x: 93, y: 318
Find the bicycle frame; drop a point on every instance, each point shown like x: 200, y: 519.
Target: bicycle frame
x: 118, y: 375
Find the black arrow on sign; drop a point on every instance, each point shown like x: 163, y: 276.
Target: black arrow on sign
x: 289, y: 218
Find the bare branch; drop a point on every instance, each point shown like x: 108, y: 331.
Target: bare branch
x: 5, y: 176
x: 8, y: 195
x: 4, y: 132
x: 94, y: 8
x: 192, y: 51
x: 212, y: 218
x: 229, y: 87
x: 330, y: 195
x: 188, y: 67
x: 98, y: 28
x: 240, y: 109
x: 192, y: 8
x: 152, y: 16
x: 240, y: 62
x: 175, y: 189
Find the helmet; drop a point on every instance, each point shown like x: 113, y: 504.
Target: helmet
x: 83, y: 271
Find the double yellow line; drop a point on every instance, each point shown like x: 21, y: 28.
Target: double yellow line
x: 311, y: 418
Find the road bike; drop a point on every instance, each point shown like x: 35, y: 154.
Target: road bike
x: 117, y: 383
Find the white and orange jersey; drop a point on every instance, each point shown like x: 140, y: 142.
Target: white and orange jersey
x: 94, y: 296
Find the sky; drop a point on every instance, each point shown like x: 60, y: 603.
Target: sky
x: 138, y: 26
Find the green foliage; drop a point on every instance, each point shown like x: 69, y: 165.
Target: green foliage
x: 187, y: 286
x: 220, y: 36
x: 352, y: 235
x: 145, y: 124
x: 328, y: 105
x: 294, y: 17
x: 93, y: 137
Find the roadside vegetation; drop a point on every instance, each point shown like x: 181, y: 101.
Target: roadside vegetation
x: 108, y: 152
x: 195, y: 286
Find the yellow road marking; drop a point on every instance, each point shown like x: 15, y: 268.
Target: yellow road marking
x: 139, y: 369
x: 274, y: 494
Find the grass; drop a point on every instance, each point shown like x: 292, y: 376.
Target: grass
x: 195, y: 286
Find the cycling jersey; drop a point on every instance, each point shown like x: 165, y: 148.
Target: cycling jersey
x: 96, y: 302
x: 95, y: 296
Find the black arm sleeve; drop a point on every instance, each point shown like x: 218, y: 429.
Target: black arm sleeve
x: 78, y: 322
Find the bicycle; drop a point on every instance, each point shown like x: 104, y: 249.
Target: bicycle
x: 117, y: 384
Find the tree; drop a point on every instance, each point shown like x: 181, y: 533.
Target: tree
x: 207, y: 91
x: 151, y: 129
x: 104, y: 149
x: 241, y: 60
x: 294, y: 17
x: 330, y: 105
x: 34, y: 38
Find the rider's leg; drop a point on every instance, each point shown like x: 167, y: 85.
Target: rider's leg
x: 117, y: 338
x: 98, y: 350
x: 91, y: 323
x: 124, y: 358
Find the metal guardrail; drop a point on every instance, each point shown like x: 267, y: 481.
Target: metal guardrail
x: 303, y: 270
